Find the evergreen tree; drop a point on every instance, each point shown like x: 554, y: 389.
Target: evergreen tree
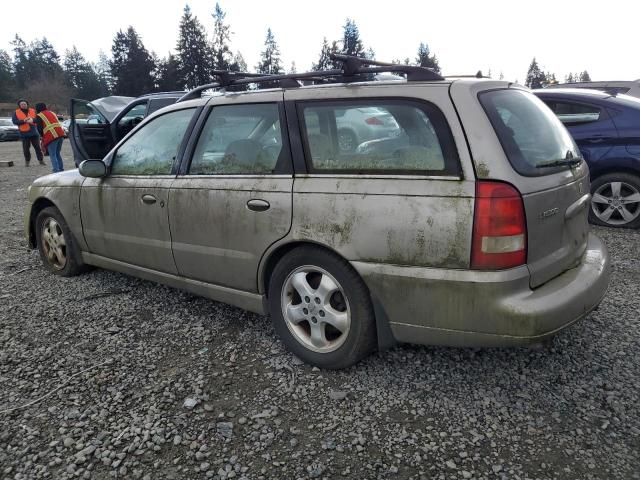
x: 131, y: 66
x: 370, y: 54
x: 351, y: 42
x: 238, y: 64
x: 324, y: 62
x: 222, y: 57
x: 6, y: 77
x: 585, y: 77
x: 569, y: 78
x: 81, y: 76
x: 168, y: 74
x: 193, y: 53
x: 293, y: 68
x: 550, y: 78
x: 335, y: 49
x: 103, y: 70
x: 270, y: 62
x: 425, y: 59
x: 20, y: 61
x: 536, y: 78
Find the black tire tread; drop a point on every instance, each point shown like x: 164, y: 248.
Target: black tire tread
x: 74, y: 265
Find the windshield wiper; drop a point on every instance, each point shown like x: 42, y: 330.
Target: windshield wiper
x: 572, y: 162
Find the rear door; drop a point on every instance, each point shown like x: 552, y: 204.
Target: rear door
x: 556, y: 198
x: 89, y: 132
x: 232, y: 198
x: 401, y: 195
x: 590, y: 126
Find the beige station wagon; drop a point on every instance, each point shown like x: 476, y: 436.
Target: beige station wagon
x: 458, y: 218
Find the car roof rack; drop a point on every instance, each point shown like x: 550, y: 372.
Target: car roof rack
x: 354, y: 69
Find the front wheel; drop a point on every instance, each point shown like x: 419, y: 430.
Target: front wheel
x: 58, y: 250
x: 615, y: 200
x: 321, y: 308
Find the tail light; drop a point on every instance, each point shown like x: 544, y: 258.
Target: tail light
x: 499, y: 227
x: 373, y: 121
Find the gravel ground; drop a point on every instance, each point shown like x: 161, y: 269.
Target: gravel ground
x: 142, y: 381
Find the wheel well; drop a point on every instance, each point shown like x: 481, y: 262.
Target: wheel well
x: 39, y: 205
x: 608, y: 170
x: 383, y: 331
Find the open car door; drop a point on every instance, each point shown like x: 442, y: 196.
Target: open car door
x: 90, y: 127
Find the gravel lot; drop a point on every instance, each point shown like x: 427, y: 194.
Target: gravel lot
x: 121, y: 356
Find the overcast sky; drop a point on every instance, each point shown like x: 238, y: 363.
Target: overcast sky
x: 466, y: 35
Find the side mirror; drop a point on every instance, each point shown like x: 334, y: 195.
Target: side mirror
x: 93, y: 169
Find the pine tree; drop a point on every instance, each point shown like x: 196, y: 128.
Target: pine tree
x: 569, y: 78
x: 81, y: 76
x: 168, y: 74
x: 194, y: 54
x: 370, y: 54
x: 536, y: 78
x: 585, y: 77
x: 44, y: 61
x: 550, y: 78
x: 238, y: 64
x: 20, y: 61
x: 131, y: 66
x: 270, y: 62
x: 222, y: 57
x: 103, y: 70
x: 324, y: 62
x: 425, y: 59
x: 6, y: 77
x: 293, y: 68
x: 351, y: 42
x: 335, y: 49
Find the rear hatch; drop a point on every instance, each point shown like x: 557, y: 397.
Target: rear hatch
x: 546, y: 168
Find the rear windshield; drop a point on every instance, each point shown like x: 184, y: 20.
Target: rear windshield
x: 530, y: 133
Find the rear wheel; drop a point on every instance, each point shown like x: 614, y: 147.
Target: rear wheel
x: 321, y: 309
x: 615, y: 200
x: 56, y: 244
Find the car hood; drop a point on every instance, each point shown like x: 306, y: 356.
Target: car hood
x: 8, y: 127
x: 111, y: 106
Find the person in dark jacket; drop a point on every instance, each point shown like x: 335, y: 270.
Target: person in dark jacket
x: 52, y: 135
x: 25, y: 118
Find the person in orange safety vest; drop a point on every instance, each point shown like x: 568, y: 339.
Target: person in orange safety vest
x: 25, y: 118
x: 52, y: 135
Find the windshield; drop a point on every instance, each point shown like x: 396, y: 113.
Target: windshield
x: 530, y: 133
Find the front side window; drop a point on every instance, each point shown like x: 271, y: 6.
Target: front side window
x: 378, y: 136
x: 239, y: 139
x: 530, y: 133
x: 153, y: 149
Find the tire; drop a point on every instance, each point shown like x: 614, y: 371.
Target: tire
x: 57, y: 247
x: 615, y: 201
x: 336, y: 296
x: 347, y: 140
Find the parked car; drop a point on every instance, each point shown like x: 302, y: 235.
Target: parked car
x: 358, y: 125
x: 607, y: 130
x: 626, y: 87
x: 104, y: 122
x: 468, y: 228
x: 8, y: 131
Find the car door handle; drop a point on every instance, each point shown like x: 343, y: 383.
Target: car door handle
x: 148, y: 199
x: 258, y: 205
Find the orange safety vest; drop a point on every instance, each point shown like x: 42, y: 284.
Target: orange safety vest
x: 25, y: 127
x: 51, y: 128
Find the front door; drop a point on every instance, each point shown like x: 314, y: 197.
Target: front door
x: 233, y: 199
x: 125, y: 215
x: 90, y: 132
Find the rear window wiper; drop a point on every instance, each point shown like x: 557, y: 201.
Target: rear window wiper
x: 561, y: 163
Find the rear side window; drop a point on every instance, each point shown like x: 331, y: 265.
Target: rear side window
x: 530, y: 133
x: 378, y: 136
x: 571, y: 113
x: 239, y: 139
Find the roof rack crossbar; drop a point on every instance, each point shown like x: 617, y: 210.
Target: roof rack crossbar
x: 353, y: 69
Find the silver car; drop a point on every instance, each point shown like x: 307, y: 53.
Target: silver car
x: 466, y: 228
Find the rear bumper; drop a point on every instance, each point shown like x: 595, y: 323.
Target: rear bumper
x: 472, y: 308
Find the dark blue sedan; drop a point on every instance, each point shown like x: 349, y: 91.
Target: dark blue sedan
x: 607, y: 130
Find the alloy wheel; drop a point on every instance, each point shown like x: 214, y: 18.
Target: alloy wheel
x: 616, y: 203
x: 54, y: 244
x: 315, y: 309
